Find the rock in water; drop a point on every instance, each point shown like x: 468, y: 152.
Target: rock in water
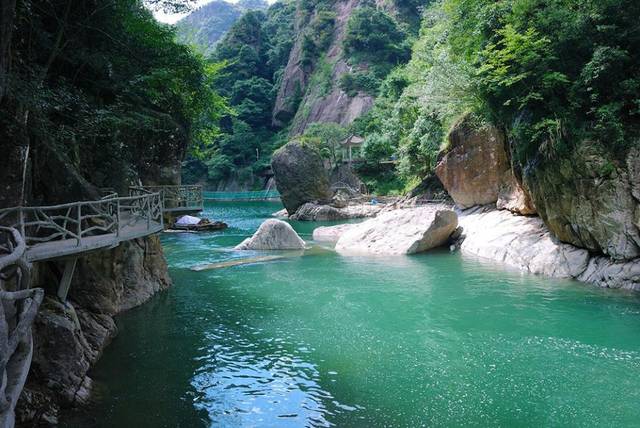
x: 476, y: 169
x: 300, y: 176
x: 406, y: 231
x: 315, y: 212
x: 273, y: 235
x: 331, y: 233
x: 521, y: 242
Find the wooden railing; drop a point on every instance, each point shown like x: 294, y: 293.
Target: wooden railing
x: 78, y: 220
x: 175, y: 198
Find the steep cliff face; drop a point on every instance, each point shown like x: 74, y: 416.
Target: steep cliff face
x: 312, y: 93
x: 590, y: 198
x: 69, y: 338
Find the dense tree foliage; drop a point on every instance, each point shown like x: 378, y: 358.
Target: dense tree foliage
x: 254, y: 53
x: 205, y: 26
x: 551, y: 73
x: 105, y: 87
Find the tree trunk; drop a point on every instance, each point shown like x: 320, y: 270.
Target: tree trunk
x: 7, y: 15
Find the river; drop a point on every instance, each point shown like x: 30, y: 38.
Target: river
x: 436, y: 339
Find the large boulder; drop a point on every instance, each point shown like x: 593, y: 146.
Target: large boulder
x: 475, y: 170
x: 300, y: 176
x: 273, y: 235
x: 405, y: 231
x: 315, y: 212
x: 589, y: 198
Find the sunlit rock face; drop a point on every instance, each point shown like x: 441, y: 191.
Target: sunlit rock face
x: 319, y: 105
x: 521, y: 242
x: 475, y: 170
x: 527, y: 244
x: 273, y: 235
x: 331, y: 233
x: 405, y: 231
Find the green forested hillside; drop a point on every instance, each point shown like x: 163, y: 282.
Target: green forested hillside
x: 205, y: 26
x: 253, y: 52
x: 550, y: 73
x: 293, y: 45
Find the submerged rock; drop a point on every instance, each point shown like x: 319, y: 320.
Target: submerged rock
x: 273, y: 235
x: 316, y: 212
x: 300, y: 176
x: 406, y: 231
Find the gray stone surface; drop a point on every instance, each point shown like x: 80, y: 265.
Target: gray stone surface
x: 273, y: 235
x: 526, y: 244
x: 300, y: 176
x: 405, y: 231
x: 590, y: 199
x: 316, y: 212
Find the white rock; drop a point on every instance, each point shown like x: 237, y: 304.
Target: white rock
x: 331, y: 233
x: 273, y: 235
x: 405, y: 231
x: 282, y: 213
x: 521, y: 242
x: 187, y: 220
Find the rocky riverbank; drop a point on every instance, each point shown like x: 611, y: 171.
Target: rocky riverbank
x: 70, y: 337
x: 521, y: 242
x: 527, y: 244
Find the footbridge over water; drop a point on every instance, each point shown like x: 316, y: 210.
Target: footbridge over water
x: 64, y: 233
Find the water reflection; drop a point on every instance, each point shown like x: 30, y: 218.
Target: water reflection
x: 252, y: 381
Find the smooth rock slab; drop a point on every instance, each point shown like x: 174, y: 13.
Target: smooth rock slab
x: 331, y: 233
x: 521, y: 242
x: 273, y: 235
x: 526, y: 243
x: 406, y: 231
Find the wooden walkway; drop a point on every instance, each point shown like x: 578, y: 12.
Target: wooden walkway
x: 58, y: 231
x: 177, y: 200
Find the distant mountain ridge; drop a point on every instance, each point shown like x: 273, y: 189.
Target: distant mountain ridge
x: 205, y: 26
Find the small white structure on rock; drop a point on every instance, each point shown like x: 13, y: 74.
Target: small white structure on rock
x: 188, y: 220
x: 273, y: 235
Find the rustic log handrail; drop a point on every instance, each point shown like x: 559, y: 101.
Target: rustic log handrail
x: 80, y: 220
x: 175, y: 197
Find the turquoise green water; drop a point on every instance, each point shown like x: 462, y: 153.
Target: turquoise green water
x: 324, y: 340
